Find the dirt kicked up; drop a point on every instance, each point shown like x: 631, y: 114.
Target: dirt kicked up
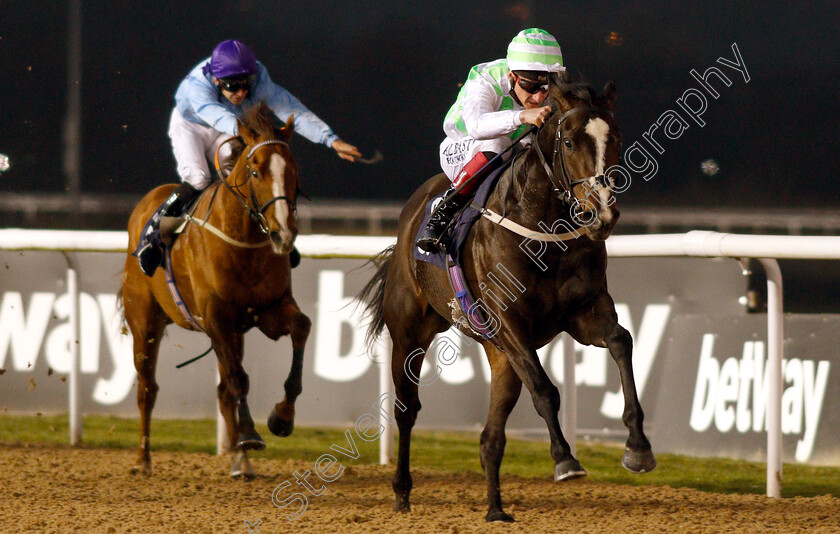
x: 60, y: 489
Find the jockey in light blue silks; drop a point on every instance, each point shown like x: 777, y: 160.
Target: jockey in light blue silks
x: 496, y: 103
x: 207, y: 104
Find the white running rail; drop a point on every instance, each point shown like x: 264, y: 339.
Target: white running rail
x: 766, y: 249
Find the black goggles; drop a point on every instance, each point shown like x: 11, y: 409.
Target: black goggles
x: 530, y: 86
x: 235, y: 84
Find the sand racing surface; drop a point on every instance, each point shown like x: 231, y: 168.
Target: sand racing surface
x: 61, y: 489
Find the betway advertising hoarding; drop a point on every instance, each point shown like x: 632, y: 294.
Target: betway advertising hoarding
x: 700, y: 361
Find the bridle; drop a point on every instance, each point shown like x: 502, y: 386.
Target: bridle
x: 564, y: 190
x: 254, y: 209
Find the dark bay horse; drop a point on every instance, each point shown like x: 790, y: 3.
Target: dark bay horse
x: 231, y: 267
x: 557, y: 183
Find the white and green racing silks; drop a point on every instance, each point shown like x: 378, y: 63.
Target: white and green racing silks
x: 488, y: 82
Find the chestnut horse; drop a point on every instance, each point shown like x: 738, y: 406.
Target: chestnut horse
x: 231, y: 268
x: 557, y: 183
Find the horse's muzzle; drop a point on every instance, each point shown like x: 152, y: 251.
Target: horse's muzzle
x: 282, y: 242
x: 602, y: 227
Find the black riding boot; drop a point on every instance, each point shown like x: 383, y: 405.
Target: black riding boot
x: 429, y: 241
x: 150, y: 255
x: 470, y: 177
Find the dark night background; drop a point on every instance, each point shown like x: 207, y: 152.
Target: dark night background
x: 384, y: 74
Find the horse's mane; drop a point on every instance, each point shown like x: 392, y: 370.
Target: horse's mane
x: 259, y: 119
x: 580, y: 91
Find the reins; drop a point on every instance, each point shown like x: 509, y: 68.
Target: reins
x: 563, y: 188
x: 254, y: 209
x: 566, y: 195
x: 255, y: 213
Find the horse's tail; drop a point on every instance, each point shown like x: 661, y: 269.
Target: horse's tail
x: 373, y: 295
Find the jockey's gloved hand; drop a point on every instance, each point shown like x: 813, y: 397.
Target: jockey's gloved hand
x: 345, y: 150
x: 535, y: 116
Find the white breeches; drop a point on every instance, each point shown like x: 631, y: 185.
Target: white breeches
x: 193, y: 145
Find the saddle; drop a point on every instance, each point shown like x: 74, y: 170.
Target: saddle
x: 169, y: 227
x: 451, y: 255
x: 458, y: 231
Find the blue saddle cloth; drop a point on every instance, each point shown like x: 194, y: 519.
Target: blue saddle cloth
x: 460, y: 229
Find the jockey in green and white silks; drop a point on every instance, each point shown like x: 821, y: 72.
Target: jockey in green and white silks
x: 488, y: 113
x: 484, y: 103
x: 498, y: 101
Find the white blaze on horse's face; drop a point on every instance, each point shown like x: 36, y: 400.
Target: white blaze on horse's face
x: 282, y: 209
x: 599, y: 130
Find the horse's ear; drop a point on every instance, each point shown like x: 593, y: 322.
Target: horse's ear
x: 564, y: 103
x: 246, y: 134
x: 610, y: 94
x: 557, y: 82
x: 558, y: 78
x: 289, y: 127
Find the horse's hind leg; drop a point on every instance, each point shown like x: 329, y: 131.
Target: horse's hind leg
x: 408, y: 399
x: 291, y: 320
x: 406, y: 362
x: 146, y: 324
x: 505, y: 387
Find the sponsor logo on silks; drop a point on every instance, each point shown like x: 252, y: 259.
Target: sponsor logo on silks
x: 460, y: 148
x: 733, y: 394
x: 42, y: 326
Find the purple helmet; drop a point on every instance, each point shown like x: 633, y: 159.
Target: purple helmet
x: 232, y: 59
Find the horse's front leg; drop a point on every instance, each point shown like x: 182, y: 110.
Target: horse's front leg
x: 240, y: 465
x: 599, y: 326
x: 638, y: 456
x: 228, y: 345
x: 287, y: 319
x: 546, y: 399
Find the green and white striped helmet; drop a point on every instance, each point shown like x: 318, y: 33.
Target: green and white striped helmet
x: 535, y: 49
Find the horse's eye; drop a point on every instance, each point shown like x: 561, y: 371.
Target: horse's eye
x: 568, y: 143
x: 254, y: 174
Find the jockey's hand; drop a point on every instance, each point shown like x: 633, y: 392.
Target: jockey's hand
x: 346, y: 150
x: 535, y: 116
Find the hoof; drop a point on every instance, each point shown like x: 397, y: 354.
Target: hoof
x: 402, y: 507
x: 498, y: 515
x: 638, y: 461
x: 280, y: 427
x: 568, y: 469
x: 241, y: 466
x: 251, y: 442
x: 142, y: 469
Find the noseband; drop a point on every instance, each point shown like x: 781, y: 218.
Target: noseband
x: 255, y: 210
x: 566, y: 184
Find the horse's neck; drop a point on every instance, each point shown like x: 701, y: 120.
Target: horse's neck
x: 526, y: 196
x: 229, y: 212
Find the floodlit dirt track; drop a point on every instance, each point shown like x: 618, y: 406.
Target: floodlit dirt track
x: 59, y: 489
